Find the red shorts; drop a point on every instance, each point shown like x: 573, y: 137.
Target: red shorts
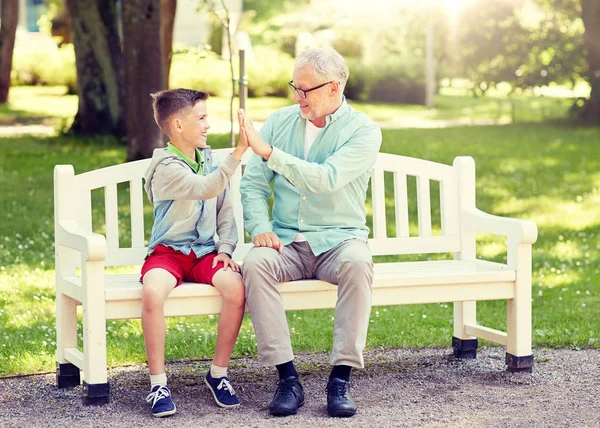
x: 182, y: 267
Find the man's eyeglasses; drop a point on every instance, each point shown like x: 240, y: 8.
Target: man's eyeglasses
x: 303, y: 92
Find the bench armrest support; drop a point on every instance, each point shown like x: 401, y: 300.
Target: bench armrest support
x: 92, y: 246
x: 516, y: 230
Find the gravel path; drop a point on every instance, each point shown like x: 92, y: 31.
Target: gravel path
x: 398, y: 388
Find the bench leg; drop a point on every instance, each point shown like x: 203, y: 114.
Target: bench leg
x: 95, y: 387
x: 464, y: 346
x: 518, y: 320
x: 67, y: 374
x: 95, y: 394
x: 519, y: 364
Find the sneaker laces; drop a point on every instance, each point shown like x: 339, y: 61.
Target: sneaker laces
x: 225, y: 384
x: 159, y: 394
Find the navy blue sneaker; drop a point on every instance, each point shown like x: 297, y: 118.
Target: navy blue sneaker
x: 161, y: 401
x: 222, y: 391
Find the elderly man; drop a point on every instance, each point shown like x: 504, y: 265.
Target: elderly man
x: 319, y: 154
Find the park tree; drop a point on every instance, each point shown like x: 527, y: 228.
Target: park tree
x: 9, y: 15
x: 143, y: 74
x: 590, y: 12
x: 493, y: 44
x: 555, y: 45
x: 99, y: 67
x: 167, y: 22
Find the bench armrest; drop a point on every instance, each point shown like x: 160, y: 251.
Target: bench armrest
x: 92, y: 246
x: 516, y: 230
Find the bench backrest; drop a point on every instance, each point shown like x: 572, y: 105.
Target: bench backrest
x: 390, y: 209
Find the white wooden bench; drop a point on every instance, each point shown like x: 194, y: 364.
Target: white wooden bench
x: 82, y: 256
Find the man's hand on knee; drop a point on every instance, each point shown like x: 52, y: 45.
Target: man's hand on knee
x: 269, y: 239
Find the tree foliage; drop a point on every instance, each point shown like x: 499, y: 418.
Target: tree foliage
x: 527, y: 44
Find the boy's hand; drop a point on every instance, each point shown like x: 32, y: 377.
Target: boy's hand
x: 269, y: 239
x: 227, y: 262
x: 257, y: 144
x: 242, y: 139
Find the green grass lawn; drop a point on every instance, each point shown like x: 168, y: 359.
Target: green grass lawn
x: 52, y: 106
x: 547, y: 173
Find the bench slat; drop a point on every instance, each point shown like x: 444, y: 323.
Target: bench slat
x: 401, y: 208
x: 449, y: 208
x: 378, y: 203
x: 127, y: 286
x: 111, y: 213
x: 394, y: 284
x: 424, y: 206
x: 136, y: 201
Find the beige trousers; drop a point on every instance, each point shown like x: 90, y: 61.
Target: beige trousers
x: 349, y: 266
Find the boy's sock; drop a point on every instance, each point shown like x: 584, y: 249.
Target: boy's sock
x: 341, y: 372
x: 217, y: 372
x: 159, y: 379
x: 286, y: 370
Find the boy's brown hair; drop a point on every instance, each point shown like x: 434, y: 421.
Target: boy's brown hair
x: 167, y: 103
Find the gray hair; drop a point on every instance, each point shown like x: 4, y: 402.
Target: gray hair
x: 327, y: 62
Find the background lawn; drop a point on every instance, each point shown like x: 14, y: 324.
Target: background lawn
x: 547, y: 173
x: 54, y: 107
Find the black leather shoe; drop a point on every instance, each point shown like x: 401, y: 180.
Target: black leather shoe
x: 339, y: 402
x: 288, y: 397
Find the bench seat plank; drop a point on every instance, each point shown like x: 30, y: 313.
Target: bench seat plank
x: 394, y: 283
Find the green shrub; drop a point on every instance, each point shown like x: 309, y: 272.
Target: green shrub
x: 393, y: 86
x: 50, y: 66
x: 349, y: 42
x: 391, y: 80
x: 359, y: 82
x: 269, y: 73
x: 201, y: 70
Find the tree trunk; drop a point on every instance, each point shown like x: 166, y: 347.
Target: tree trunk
x: 167, y: 21
x: 9, y: 15
x: 99, y: 67
x: 590, y: 13
x: 143, y: 75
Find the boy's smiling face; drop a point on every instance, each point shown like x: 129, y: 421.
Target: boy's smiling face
x: 192, y: 126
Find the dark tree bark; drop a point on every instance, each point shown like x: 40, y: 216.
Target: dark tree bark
x: 9, y: 15
x: 590, y: 12
x: 143, y: 75
x: 99, y: 67
x: 167, y: 21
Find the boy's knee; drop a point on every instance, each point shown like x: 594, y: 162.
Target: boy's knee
x: 234, y: 293
x: 156, y: 283
x: 151, y: 298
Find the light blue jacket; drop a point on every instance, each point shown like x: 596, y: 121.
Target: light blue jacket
x: 322, y: 197
x: 188, y: 207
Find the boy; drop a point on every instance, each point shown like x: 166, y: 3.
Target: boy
x: 191, y: 202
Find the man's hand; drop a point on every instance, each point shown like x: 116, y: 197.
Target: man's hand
x: 227, y: 262
x: 269, y: 239
x: 257, y: 144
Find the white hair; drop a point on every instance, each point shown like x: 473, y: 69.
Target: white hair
x: 327, y: 62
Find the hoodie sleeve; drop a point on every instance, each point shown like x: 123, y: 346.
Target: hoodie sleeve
x: 226, y: 226
x: 174, y: 180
